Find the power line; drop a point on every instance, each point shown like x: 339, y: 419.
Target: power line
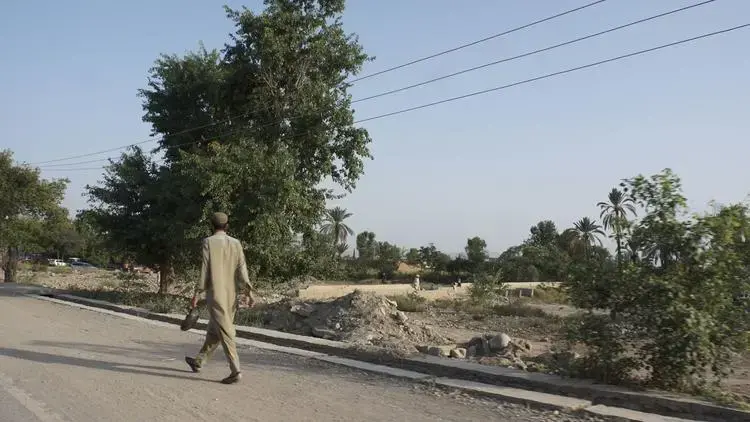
x: 491, y: 37
x: 550, y: 75
x: 427, y: 82
x: 531, y: 53
x: 77, y: 169
x: 546, y: 76
x: 219, y: 136
x: 77, y: 163
x: 567, y: 12
x: 382, y: 94
x: 182, y: 132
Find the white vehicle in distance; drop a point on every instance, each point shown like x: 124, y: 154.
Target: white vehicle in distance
x: 56, y: 263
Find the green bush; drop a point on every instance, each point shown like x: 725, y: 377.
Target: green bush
x: 151, y: 301
x: 488, y: 288
x: 549, y: 294
x: 672, y: 306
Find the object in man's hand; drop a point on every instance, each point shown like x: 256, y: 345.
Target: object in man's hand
x: 191, y: 319
x: 246, y: 301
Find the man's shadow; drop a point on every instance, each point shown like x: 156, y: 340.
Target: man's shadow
x: 95, y: 364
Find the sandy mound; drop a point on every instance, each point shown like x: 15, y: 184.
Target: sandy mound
x: 362, y: 318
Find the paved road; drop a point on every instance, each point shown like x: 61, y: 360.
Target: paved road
x: 59, y: 363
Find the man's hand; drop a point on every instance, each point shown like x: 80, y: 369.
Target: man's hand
x: 247, y: 300
x: 194, y: 301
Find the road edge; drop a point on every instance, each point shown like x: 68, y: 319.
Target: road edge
x: 538, y: 390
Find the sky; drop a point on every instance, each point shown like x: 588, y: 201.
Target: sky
x: 490, y: 165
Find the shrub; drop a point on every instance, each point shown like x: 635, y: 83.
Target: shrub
x: 549, y: 294
x: 488, y: 288
x: 672, y: 308
x: 151, y: 301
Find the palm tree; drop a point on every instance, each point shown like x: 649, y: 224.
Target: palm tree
x: 585, y: 233
x: 341, y: 248
x: 614, y: 214
x: 334, y: 225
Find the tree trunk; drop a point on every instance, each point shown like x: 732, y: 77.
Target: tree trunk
x: 11, y: 265
x: 166, y: 277
x: 619, y: 246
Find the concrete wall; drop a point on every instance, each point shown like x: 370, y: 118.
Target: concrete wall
x: 334, y: 291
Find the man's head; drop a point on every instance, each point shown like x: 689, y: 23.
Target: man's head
x: 219, y: 221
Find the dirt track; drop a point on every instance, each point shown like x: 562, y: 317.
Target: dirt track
x: 59, y: 363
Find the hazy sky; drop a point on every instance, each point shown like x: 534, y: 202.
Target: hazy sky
x: 491, y: 165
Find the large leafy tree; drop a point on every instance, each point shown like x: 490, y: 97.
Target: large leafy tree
x: 433, y: 258
x: 141, y: 208
x: 412, y: 256
x: 544, y: 233
x: 95, y: 246
x: 27, y: 202
x: 661, y: 232
x: 367, y: 246
x: 476, y: 253
x: 252, y: 130
x: 60, y: 237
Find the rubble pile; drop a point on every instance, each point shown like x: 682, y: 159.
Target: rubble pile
x: 360, y: 318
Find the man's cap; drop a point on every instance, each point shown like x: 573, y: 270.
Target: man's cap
x: 219, y: 218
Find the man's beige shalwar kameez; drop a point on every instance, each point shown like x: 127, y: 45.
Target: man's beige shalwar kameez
x: 223, y: 259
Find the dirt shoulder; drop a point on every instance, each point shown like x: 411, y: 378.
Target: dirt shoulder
x: 518, y: 333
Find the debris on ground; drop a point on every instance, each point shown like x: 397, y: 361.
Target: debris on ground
x: 490, y: 349
x: 361, y: 318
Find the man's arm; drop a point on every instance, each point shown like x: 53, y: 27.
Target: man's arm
x: 243, y: 269
x: 205, y: 274
x: 242, y: 264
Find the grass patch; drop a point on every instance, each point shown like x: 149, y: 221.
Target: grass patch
x: 724, y: 398
x: 153, y: 302
x: 108, y: 283
x: 443, y: 303
x: 410, y: 302
x: 554, y: 295
x: 168, y: 304
x: 251, y: 317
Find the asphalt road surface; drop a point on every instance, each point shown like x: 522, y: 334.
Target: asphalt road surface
x: 60, y: 363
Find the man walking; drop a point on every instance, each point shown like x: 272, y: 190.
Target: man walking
x: 223, y: 259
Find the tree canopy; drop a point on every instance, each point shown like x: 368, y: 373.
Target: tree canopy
x: 29, y: 207
x: 274, y: 120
